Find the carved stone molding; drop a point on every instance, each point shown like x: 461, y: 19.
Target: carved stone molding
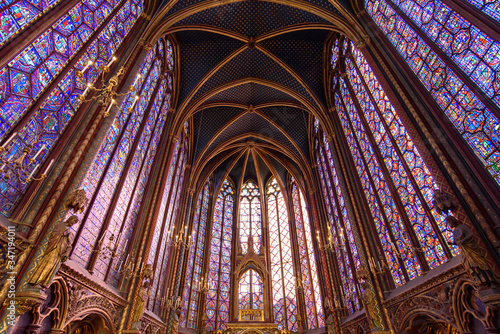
x: 86, y: 282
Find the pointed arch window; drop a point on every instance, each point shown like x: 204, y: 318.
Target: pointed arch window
x: 457, y: 63
x: 89, y: 31
x: 250, y: 216
x: 340, y: 229
x: 309, y: 274
x: 251, y: 292
x: 219, y: 266
x: 194, y: 278
x: 282, y: 268
x: 398, y: 186
x: 116, y: 180
x: 167, y: 217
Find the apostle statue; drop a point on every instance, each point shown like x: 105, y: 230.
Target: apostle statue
x: 472, y: 256
x: 140, y: 305
x: 369, y: 301
x: 58, y: 249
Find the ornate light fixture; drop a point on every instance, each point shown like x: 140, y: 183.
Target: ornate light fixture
x: 331, y: 244
x: 19, y: 167
x: 107, y: 94
x: 111, y: 249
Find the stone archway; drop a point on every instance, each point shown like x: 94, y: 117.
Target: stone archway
x: 421, y: 323
x: 92, y: 323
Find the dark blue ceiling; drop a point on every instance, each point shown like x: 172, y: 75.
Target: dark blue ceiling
x: 251, y: 93
x: 251, y: 18
x: 200, y: 51
x: 300, y: 51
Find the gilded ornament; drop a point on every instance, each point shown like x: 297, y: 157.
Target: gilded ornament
x: 77, y: 201
x: 140, y: 305
x: 58, y: 249
x: 370, y: 301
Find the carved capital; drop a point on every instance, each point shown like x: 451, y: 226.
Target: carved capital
x: 77, y: 201
x: 145, y: 44
x: 145, y: 16
x: 444, y: 202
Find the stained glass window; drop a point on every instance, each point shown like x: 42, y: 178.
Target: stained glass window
x: 219, y: 266
x: 127, y: 153
x: 282, y: 269
x: 15, y: 15
x: 397, y: 184
x: 88, y: 32
x: 169, y: 216
x: 162, y: 231
x: 195, y: 280
x: 450, y: 39
x: 490, y: 7
x: 339, y: 225
x: 309, y: 273
x: 250, y: 217
x: 251, y: 293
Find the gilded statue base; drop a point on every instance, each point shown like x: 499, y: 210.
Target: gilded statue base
x: 26, y: 300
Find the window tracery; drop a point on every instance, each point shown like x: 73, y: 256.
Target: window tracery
x: 195, y: 280
x: 251, y: 292
x: 283, y: 276
x: 456, y: 62
x: 219, y: 266
x: 397, y: 184
x: 309, y: 274
x: 87, y: 31
x: 126, y: 154
x: 250, y: 217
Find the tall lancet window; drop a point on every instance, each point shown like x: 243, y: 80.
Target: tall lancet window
x: 340, y: 229
x: 116, y: 179
x: 398, y: 186
x: 39, y: 88
x: 172, y: 192
x: 309, y: 273
x: 251, y: 292
x: 456, y: 62
x: 250, y: 217
x: 194, y: 278
x: 282, y: 269
x: 219, y: 266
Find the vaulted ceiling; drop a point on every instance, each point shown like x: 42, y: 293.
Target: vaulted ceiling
x: 250, y: 77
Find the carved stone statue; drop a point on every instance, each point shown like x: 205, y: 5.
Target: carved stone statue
x: 370, y: 301
x: 57, y: 251
x: 176, y: 315
x: 140, y: 306
x: 330, y: 324
x: 471, y: 254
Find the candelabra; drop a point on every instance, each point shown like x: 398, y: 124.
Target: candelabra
x: 331, y: 244
x: 202, y: 286
x: 110, y: 250
x: 107, y: 94
x: 181, y: 239
x: 19, y: 167
x: 406, y: 248
x: 129, y: 269
x: 376, y: 267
